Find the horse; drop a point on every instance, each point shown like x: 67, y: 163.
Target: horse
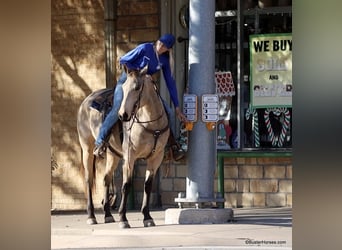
x: 145, y: 128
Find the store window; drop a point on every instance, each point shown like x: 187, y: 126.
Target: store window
x: 267, y: 106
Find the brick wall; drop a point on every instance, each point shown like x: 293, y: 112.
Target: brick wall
x: 77, y: 69
x: 137, y: 22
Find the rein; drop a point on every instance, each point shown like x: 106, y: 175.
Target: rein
x: 137, y: 106
x: 156, y: 133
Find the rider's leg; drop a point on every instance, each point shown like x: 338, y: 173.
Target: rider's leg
x: 111, y: 118
x: 177, y: 152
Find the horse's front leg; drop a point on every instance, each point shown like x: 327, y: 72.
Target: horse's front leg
x: 153, y: 165
x: 145, y: 208
x: 127, y: 171
x: 111, y: 165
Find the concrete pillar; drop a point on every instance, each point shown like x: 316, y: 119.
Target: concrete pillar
x: 110, y: 51
x: 202, y: 142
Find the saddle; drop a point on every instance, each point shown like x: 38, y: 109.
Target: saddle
x: 104, y: 102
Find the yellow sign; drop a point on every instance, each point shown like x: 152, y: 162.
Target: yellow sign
x: 271, y: 70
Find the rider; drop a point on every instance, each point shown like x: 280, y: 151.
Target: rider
x: 157, y: 56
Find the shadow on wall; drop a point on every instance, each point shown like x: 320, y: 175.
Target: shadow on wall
x: 77, y: 68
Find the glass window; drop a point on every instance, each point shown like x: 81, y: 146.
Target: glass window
x: 262, y: 127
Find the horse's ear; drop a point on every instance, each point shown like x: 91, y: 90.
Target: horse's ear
x: 143, y: 71
x: 125, y: 68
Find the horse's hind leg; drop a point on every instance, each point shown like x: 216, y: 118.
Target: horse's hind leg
x: 89, y: 167
x: 111, y: 164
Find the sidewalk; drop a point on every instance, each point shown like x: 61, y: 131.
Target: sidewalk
x: 257, y: 228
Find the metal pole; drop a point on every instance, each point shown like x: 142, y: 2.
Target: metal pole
x: 240, y: 73
x: 202, y: 142
x: 220, y: 182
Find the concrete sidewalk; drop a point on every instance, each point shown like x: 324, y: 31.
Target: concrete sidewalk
x: 257, y: 228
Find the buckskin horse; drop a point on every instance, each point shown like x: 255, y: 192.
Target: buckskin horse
x: 145, y: 128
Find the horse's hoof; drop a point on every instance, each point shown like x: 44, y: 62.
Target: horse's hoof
x: 149, y: 223
x: 109, y: 219
x: 124, y: 224
x: 91, y: 221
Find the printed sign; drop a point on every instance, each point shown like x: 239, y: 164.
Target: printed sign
x: 190, y: 107
x: 210, y: 108
x: 271, y: 70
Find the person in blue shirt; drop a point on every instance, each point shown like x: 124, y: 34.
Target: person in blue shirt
x: 158, y: 56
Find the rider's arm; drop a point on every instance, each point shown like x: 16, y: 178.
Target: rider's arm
x: 136, y: 58
x: 170, y: 82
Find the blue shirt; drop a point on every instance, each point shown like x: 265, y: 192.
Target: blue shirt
x: 144, y: 54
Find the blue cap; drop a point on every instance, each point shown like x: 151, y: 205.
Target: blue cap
x: 168, y: 40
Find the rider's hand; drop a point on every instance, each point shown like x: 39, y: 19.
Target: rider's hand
x: 180, y: 115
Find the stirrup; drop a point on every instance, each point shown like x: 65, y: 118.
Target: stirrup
x: 100, y: 150
x: 177, y: 152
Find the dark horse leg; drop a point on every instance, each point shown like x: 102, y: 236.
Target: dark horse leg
x: 145, y: 208
x: 122, y: 209
x: 106, y: 201
x: 127, y: 179
x: 90, y: 207
x: 89, y: 167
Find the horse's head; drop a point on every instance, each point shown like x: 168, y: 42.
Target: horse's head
x: 132, y: 90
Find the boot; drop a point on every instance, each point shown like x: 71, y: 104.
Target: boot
x: 177, y: 152
x: 100, y: 150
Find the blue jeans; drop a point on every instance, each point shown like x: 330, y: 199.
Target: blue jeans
x: 112, y: 116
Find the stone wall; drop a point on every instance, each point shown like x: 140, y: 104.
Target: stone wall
x: 248, y: 182
x: 258, y: 182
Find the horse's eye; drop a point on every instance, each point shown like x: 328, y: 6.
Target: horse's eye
x: 139, y: 82
x: 137, y: 87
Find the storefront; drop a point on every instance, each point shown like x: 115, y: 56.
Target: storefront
x: 254, y: 82
x: 252, y: 118
x: 253, y: 78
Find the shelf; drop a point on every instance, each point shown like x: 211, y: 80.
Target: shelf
x: 256, y: 10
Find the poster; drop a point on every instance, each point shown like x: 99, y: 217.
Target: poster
x: 271, y: 70
x: 226, y: 90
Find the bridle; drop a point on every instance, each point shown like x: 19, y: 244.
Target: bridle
x: 135, y: 119
x: 136, y: 107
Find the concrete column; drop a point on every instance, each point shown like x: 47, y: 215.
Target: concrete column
x: 110, y: 51
x: 202, y: 142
